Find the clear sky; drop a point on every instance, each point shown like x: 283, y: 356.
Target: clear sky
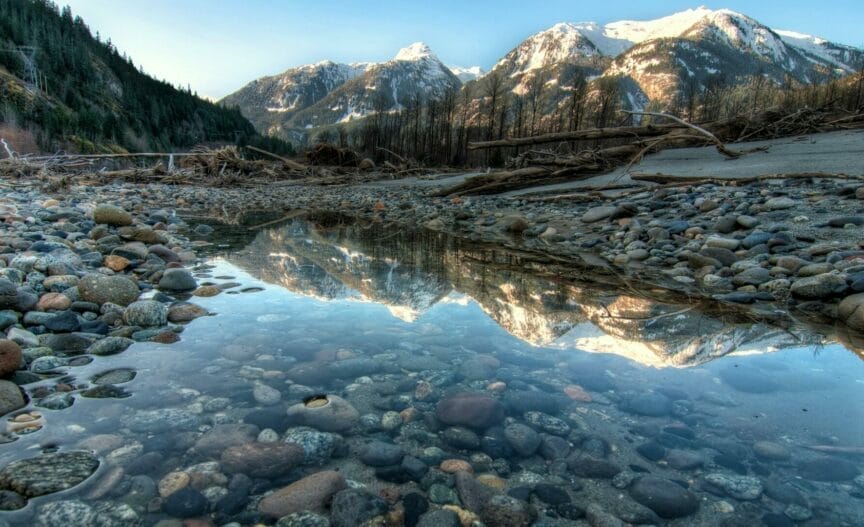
x: 217, y: 46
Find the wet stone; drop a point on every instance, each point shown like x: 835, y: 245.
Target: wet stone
x: 591, y: 467
x: 47, y: 473
x: 380, y: 454
x: 648, y: 404
x: 461, y: 438
x: 738, y: 487
x: 354, y: 507
x: 471, y: 410
x: 317, y: 446
x: 523, y: 439
x: 828, y: 469
x: 186, y: 503
x: 666, y: 498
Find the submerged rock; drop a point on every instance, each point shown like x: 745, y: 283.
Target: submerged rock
x: 473, y: 410
x: 312, y: 493
x: 668, y: 499
x: 328, y: 413
x: 47, y: 473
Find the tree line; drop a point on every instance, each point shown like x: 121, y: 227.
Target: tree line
x: 91, y: 98
x: 437, y: 129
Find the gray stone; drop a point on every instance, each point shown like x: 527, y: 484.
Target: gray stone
x: 595, y: 214
x: 780, y: 203
x: 381, y: 454
x: 851, y: 311
x: 738, y: 487
x: 668, y: 499
x: 353, y: 507
x: 177, y: 280
x: 317, y: 446
x: 11, y: 398
x: 439, y: 518
x: 99, y: 289
x: 819, y: 286
x: 523, y: 439
x: 146, y: 313
x: 752, y: 276
x: 329, y: 413
x: 48, y: 473
x: 109, y: 346
x: 111, y: 215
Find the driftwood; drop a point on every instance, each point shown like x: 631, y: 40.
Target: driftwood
x: 624, y: 132
x: 293, y: 165
x: 692, y: 180
x: 711, y: 137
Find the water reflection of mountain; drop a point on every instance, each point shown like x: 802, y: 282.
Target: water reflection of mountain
x: 409, y: 272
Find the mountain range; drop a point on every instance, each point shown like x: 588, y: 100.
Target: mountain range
x: 654, y: 61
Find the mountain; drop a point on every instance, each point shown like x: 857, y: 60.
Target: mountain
x: 661, y: 61
x: 314, y: 96
x: 467, y: 74
x: 64, y: 89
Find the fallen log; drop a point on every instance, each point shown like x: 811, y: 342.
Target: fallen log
x: 293, y: 165
x: 691, y: 180
x: 713, y: 138
x: 623, y: 132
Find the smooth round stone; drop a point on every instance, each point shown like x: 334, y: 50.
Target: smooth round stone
x: 770, y: 451
x: 172, y: 482
x: 381, y: 454
x: 262, y: 460
x: 99, y: 289
x: 461, y: 438
x: 752, y: 276
x: 146, y: 313
x: 317, y: 446
x: 10, y: 357
x: 470, y: 409
x: 505, y: 511
x: 819, y: 286
x: 738, y: 487
x: 266, y: 395
x: 186, y: 503
x: 177, y: 280
x: 355, y: 507
x: 111, y: 215
x: 666, y: 498
x: 684, y: 459
x: 48, y: 473
x: 329, y: 413
x: 311, y: 493
x: 185, y: 312
x: 523, y: 439
x: 109, y: 346
x: 591, y: 467
x: 547, y: 423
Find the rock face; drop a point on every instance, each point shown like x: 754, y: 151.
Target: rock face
x: 10, y: 357
x: 666, y: 498
x: 100, y: 289
x: 262, y: 460
x: 111, y: 215
x: 329, y: 413
x: 470, y: 409
x: 48, y: 473
x: 311, y: 493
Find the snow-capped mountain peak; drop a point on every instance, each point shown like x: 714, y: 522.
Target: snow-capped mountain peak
x: 414, y: 52
x: 637, y: 31
x: 560, y: 43
x: 467, y: 74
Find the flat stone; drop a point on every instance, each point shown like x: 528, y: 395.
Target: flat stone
x: 738, y: 487
x: 48, y: 473
x: 595, y: 214
x: 819, y: 286
x: 666, y: 498
x: 111, y: 215
x: 262, y: 460
x: 312, y: 493
x: 780, y: 203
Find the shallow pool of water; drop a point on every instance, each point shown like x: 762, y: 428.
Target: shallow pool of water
x: 580, y: 384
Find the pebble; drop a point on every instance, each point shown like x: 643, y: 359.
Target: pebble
x: 666, y: 498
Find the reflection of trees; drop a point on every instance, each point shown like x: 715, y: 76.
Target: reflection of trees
x: 410, y: 271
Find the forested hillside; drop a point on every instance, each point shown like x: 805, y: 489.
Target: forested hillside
x: 73, y: 91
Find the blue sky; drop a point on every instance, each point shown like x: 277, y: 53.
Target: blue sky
x: 216, y: 46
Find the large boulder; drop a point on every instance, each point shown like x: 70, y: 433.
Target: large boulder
x: 99, y: 289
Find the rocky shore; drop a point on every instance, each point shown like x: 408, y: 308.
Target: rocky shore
x: 91, y: 271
